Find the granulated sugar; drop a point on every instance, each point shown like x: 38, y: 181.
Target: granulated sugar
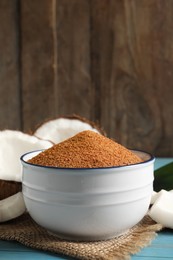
x: 87, y: 149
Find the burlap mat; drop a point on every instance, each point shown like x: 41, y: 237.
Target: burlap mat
x: 27, y: 232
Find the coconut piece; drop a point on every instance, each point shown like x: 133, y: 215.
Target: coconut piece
x: 12, y: 207
x: 154, y: 197
x: 162, y: 209
x: 62, y: 128
x: 13, y: 145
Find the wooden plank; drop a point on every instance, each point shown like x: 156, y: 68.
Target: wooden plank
x: 122, y: 104
x: 151, y: 258
x: 150, y: 49
x: 74, y: 88
x: 102, y: 24
x: 132, y: 72
x: 30, y: 256
x: 37, y: 61
x: 11, y: 250
x: 13, y: 246
x: 9, y: 66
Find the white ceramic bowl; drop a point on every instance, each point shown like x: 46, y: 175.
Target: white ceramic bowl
x: 87, y: 204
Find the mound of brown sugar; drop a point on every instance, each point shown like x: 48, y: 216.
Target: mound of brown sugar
x: 87, y: 149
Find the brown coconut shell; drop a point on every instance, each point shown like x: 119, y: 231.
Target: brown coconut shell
x: 9, y: 188
x: 78, y: 117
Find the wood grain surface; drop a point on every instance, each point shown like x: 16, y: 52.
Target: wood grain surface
x: 107, y: 60
x: 10, y: 95
x: 37, y: 56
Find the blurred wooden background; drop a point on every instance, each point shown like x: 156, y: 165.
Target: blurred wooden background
x: 110, y: 61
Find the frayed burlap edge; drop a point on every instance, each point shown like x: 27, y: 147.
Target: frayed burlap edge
x: 27, y: 232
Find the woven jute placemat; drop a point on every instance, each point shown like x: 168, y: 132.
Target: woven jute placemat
x: 27, y: 232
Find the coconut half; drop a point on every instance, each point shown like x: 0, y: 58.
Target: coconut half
x: 12, y: 207
x: 12, y: 145
x: 59, y: 129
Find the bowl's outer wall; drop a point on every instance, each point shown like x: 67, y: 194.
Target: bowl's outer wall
x: 88, y: 204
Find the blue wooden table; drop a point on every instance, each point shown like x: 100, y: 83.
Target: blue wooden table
x: 161, y: 247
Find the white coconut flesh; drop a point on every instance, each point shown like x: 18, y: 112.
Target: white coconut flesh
x: 58, y: 130
x: 162, y: 209
x: 154, y: 197
x: 13, y: 144
x: 12, y: 207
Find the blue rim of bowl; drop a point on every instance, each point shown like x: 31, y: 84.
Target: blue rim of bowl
x: 151, y: 158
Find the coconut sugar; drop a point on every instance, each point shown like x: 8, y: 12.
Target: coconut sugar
x: 87, y: 149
